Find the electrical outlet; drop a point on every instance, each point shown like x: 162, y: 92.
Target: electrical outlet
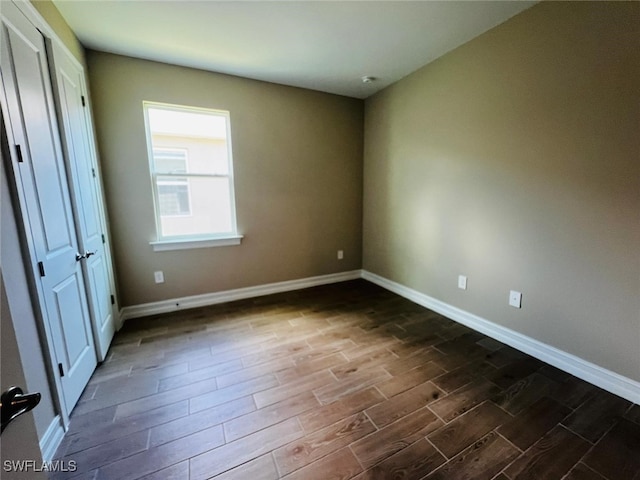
x: 462, y: 282
x: 515, y: 299
x: 158, y: 276
x: 340, y: 254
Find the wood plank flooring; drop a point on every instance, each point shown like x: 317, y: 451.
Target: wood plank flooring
x: 338, y: 382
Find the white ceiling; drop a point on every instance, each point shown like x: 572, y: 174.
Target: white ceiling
x: 321, y: 45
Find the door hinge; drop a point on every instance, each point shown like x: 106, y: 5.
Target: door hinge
x: 113, y: 300
x: 41, y: 269
x: 93, y: 172
x: 103, y: 239
x: 83, y: 102
x: 19, y: 154
x: 61, y: 370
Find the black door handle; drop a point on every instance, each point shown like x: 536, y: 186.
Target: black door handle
x: 14, y: 402
x: 85, y: 255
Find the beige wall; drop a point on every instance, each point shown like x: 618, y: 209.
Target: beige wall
x: 297, y: 158
x: 515, y: 160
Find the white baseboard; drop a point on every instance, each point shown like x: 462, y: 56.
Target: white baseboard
x: 51, y: 439
x: 590, y: 372
x: 194, y: 301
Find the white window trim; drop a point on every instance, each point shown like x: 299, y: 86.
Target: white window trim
x: 186, y: 243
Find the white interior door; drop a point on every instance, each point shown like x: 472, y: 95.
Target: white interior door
x: 42, y: 186
x: 86, y: 198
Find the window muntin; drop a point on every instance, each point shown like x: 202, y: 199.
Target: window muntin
x: 191, y: 171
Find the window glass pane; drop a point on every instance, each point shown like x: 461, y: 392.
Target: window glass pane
x: 170, y: 160
x: 210, y: 209
x: 202, y: 135
x: 184, y: 122
x: 173, y: 197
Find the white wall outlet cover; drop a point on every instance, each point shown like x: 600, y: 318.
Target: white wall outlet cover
x: 340, y: 254
x: 159, y: 277
x: 462, y: 282
x: 515, y: 299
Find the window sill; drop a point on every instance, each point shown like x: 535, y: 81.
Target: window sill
x: 166, y: 245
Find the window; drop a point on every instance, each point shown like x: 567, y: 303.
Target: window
x: 192, y: 176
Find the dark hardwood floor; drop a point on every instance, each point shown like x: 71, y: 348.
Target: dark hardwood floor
x: 337, y: 382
